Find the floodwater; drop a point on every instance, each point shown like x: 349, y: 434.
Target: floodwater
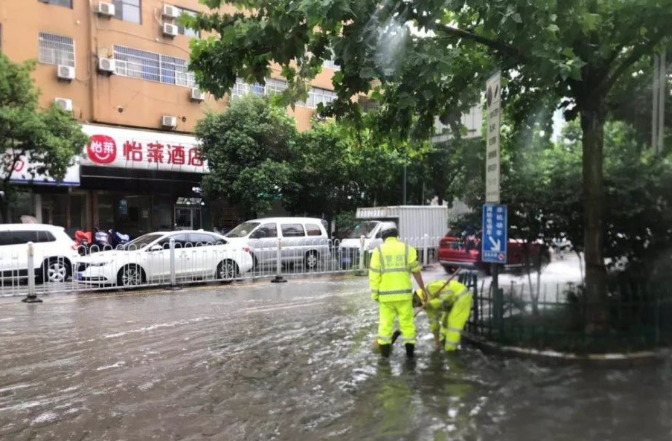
x: 289, y: 362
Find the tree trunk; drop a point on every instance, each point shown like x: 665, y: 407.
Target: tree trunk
x: 4, y: 210
x: 6, y: 199
x: 592, y: 124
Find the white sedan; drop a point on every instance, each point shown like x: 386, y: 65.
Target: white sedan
x: 198, y: 255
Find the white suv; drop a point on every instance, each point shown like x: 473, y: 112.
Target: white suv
x: 54, y: 252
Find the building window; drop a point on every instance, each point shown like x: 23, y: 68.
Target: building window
x: 317, y: 96
x: 66, y: 3
x: 272, y: 87
x: 149, y: 66
x: 257, y: 89
x: 239, y: 89
x: 330, y: 63
x: 127, y: 10
x: 275, y: 87
x: 369, y: 105
x: 187, y: 32
x: 56, y: 50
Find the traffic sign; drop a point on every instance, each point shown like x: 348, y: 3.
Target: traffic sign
x: 494, y: 236
x: 492, y: 155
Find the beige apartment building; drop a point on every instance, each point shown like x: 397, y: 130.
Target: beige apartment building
x: 121, y: 67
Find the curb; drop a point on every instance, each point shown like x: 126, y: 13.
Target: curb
x: 193, y: 286
x: 640, y: 357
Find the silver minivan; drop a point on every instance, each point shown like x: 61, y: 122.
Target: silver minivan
x: 303, y: 240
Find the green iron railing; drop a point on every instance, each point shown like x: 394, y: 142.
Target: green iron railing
x: 558, y: 317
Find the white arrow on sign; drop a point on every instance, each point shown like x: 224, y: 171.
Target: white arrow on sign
x: 495, y: 244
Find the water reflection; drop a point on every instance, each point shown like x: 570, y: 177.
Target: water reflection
x: 297, y: 364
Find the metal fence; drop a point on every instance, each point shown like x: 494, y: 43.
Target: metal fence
x: 28, y: 270
x: 558, y: 317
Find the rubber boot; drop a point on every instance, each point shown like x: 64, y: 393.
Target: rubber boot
x: 385, y: 350
x: 410, y: 349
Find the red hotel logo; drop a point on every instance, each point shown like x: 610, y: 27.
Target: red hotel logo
x: 102, y: 149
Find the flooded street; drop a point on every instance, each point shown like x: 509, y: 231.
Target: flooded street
x: 288, y: 362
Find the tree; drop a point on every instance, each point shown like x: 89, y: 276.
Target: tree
x: 455, y: 168
x: 431, y: 58
x: 46, y: 140
x: 248, y: 149
x: 323, y: 171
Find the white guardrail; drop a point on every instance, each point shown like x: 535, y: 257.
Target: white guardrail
x: 26, y: 272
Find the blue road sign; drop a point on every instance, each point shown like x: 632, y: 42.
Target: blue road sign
x: 494, y: 237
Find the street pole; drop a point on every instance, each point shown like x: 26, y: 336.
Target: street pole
x: 404, y: 185
x: 662, y: 82
x: 278, y: 265
x: 32, y: 296
x: 654, y: 111
x: 497, y: 300
x: 658, y: 111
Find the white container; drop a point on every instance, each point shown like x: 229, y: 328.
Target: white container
x: 413, y: 221
x: 421, y: 226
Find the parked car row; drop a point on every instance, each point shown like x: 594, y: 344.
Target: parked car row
x: 147, y: 259
x: 207, y: 255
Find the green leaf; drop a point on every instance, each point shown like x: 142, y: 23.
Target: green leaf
x: 229, y: 35
x: 589, y: 21
x: 517, y: 18
x: 367, y: 73
x: 552, y: 28
x: 568, y: 52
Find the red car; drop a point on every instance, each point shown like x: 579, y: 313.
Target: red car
x: 464, y: 251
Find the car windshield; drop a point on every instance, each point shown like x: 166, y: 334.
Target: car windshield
x: 363, y: 229
x: 243, y: 229
x: 141, y: 242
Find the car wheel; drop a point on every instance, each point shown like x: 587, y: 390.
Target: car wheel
x: 56, y: 270
x: 449, y: 269
x: 255, y: 262
x: 131, y: 276
x: 312, y: 260
x: 227, y: 271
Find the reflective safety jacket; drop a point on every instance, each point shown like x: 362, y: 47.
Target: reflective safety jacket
x: 390, y: 271
x: 441, y: 300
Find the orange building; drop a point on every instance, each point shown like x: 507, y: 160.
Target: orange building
x: 121, y: 67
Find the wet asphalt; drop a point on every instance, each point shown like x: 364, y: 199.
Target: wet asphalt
x: 258, y: 361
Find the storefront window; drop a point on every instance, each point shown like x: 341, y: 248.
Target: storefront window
x: 55, y: 209
x: 23, y: 205
x: 106, y: 206
x: 78, y: 212
x: 67, y: 210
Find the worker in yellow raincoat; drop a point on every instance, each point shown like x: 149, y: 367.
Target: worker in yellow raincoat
x: 448, y: 308
x: 390, y: 270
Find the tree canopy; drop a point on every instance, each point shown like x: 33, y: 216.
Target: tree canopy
x: 426, y: 58
x: 46, y: 140
x: 247, y: 148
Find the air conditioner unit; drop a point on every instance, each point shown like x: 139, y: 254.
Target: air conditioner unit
x: 197, y: 95
x: 169, y: 121
x: 170, y: 11
x: 169, y: 30
x: 64, y: 104
x: 105, y: 9
x: 106, y: 65
x: 65, y: 72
